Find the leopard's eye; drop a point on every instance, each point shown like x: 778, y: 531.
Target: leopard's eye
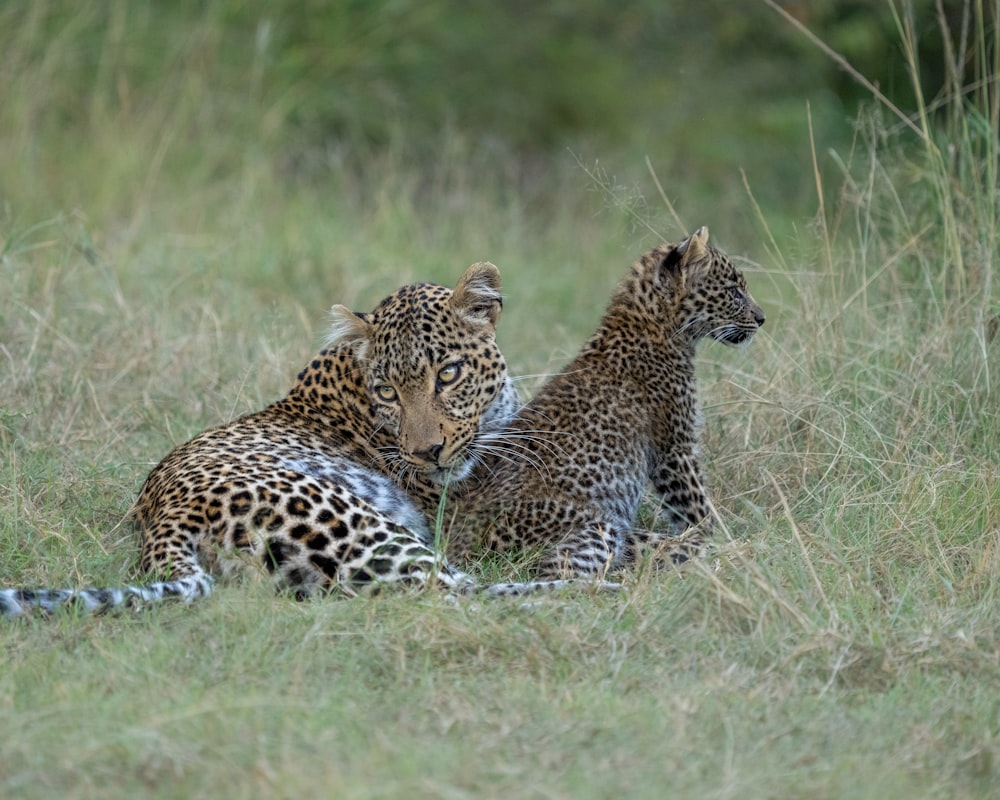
x: 385, y: 393
x: 449, y: 374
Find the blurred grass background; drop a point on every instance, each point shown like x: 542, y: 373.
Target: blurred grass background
x: 229, y: 130
x: 317, y: 92
x: 185, y: 188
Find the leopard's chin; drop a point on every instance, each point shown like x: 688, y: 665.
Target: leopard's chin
x: 442, y: 476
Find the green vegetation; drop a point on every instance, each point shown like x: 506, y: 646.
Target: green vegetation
x: 187, y: 187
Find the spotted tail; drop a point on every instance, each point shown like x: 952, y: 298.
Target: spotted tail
x: 533, y: 587
x: 19, y: 602
x: 22, y: 602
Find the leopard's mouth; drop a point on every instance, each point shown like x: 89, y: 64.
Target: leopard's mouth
x: 456, y: 468
x: 737, y: 336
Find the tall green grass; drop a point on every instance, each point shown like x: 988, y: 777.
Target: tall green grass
x: 162, y: 270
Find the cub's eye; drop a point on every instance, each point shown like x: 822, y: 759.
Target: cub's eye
x: 385, y: 393
x: 737, y: 294
x: 449, y: 374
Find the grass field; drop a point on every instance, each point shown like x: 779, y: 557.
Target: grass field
x: 163, y: 270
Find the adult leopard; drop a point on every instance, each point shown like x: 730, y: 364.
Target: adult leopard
x: 329, y: 486
x: 565, y: 482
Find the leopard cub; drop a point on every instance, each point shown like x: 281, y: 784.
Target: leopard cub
x: 565, y: 480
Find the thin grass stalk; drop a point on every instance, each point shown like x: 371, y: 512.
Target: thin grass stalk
x: 953, y: 270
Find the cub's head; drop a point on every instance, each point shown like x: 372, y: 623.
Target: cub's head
x: 432, y: 369
x: 707, y: 295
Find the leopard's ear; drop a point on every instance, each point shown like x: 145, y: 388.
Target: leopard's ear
x: 476, y: 296
x: 694, y: 247
x: 684, y: 262
x: 350, y: 328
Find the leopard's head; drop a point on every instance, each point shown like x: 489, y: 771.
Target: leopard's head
x: 708, y: 294
x: 433, y: 372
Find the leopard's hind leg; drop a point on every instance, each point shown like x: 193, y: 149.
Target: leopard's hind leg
x: 592, y: 550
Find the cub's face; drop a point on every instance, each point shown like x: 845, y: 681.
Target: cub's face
x: 723, y: 304
x: 708, y: 295
x: 433, y: 371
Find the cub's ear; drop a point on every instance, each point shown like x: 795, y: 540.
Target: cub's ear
x: 684, y: 262
x: 350, y: 328
x: 476, y: 296
x: 694, y: 247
